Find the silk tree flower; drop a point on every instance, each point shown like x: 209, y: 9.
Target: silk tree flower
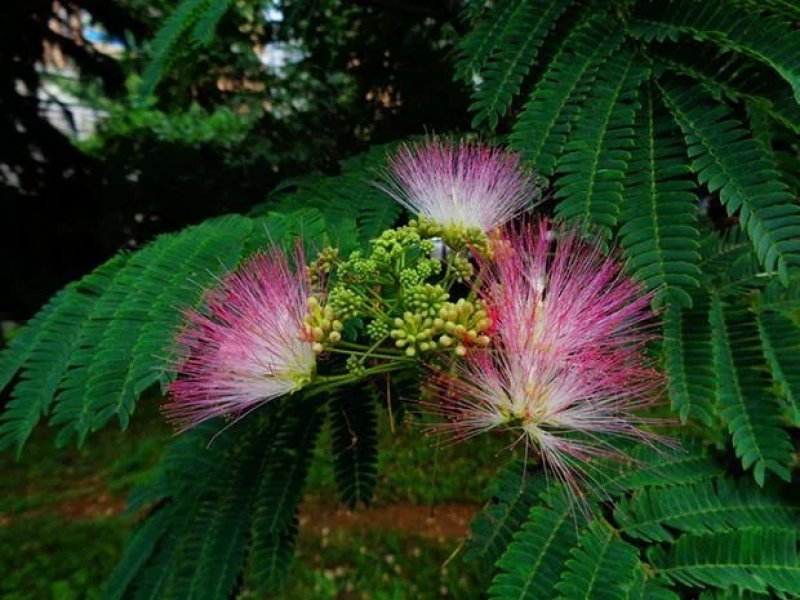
x: 248, y: 345
x: 567, y: 371
x: 460, y: 186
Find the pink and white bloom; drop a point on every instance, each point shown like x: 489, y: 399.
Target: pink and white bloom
x: 247, y: 345
x: 464, y: 185
x: 568, y: 368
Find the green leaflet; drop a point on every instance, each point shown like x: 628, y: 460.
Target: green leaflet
x: 225, y: 506
x: 688, y: 361
x: 591, y: 169
x: 659, y: 234
x: 602, y: 566
x: 545, y: 122
x: 354, y: 442
x: 517, y: 48
x: 51, y: 340
x: 765, y: 37
x: 728, y: 160
x: 750, y: 411
x: 780, y: 339
x: 192, y: 21
x: 512, y: 493
x: 532, y: 562
x: 757, y: 559
x: 654, y: 514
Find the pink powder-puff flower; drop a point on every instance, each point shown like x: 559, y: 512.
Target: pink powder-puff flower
x: 247, y: 345
x: 462, y: 186
x: 567, y: 371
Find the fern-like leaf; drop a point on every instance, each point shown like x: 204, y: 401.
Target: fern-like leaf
x: 546, y: 119
x: 135, y: 320
x: 355, y: 443
x: 350, y: 196
x: 747, y: 406
x: 764, y: 37
x: 274, y: 525
x: 50, y: 341
x: 759, y: 560
x: 688, y: 360
x: 659, y: 232
x: 591, y: 170
x: 193, y: 23
x: 530, y: 566
x: 220, y: 502
x: 602, y: 566
x: 727, y: 74
x: 513, y: 493
x: 703, y: 507
x: 780, y: 338
x: 728, y: 160
x: 651, y: 467
x: 138, y: 551
x: 477, y: 45
x: 501, y: 77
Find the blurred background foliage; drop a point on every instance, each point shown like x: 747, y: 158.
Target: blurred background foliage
x: 93, y: 160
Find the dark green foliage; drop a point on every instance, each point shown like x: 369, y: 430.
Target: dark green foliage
x: 192, y: 23
x: 224, y: 499
x: 728, y: 160
x: 688, y: 359
x: 751, y: 32
x: 355, y: 442
x: 518, y: 43
x: 751, y: 412
x: 602, y: 566
x: 591, y: 170
x: 693, y: 525
x: 354, y: 209
x: 724, y: 74
x: 131, y: 327
x: 531, y: 565
x: 274, y: 525
x: 50, y: 341
x: 659, y: 232
x: 655, y: 467
x: 756, y: 559
x: 138, y: 551
x: 780, y: 339
x: 545, y: 122
x: 478, y: 44
x: 106, y: 339
x: 655, y: 513
x: 512, y: 494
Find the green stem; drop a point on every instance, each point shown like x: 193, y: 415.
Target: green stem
x: 393, y: 357
x: 324, y: 383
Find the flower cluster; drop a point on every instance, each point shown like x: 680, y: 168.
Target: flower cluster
x: 246, y: 345
x: 460, y: 187
x: 569, y: 366
x: 527, y: 327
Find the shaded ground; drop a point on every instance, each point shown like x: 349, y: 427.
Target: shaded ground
x: 62, y: 521
x: 438, y: 522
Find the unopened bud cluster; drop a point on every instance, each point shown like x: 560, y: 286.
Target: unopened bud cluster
x: 456, y: 326
x: 321, y: 267
x: 397, y: 295
x: 321, y: 325
x: 456, y: 237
